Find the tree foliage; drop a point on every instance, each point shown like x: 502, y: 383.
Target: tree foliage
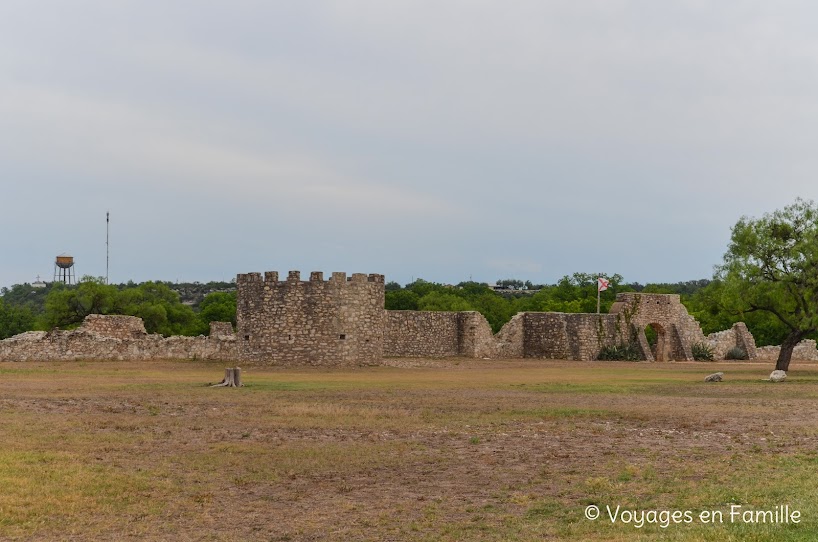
x: 402, y: 300
x: 218, y: 307
x: 160, y: 308
x: 156, y: 303
x: 66, y: 306
x: 14, y: 319
x: 771, y: 267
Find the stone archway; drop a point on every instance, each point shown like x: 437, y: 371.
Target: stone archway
x: 675, y: 329
x: 657, y: 339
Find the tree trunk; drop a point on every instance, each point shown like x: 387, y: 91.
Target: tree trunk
x: 232, y: 378
x: 784, y: 357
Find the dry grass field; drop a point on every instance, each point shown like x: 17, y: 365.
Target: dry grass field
x: 428, y: 450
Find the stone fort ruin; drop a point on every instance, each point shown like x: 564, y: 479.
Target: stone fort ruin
x: 342, y: 321
x: 339, y: 321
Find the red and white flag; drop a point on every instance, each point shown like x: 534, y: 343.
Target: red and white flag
x: 601, y: 284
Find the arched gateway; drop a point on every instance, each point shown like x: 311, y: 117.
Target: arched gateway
x: 675, y: 330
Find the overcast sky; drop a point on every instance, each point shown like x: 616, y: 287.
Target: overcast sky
x: 441, y: 139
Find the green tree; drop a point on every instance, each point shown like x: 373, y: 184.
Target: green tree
x: 392, y: 286
x: 422, y: 287
x: 497, y: 309
x: 402, y: 300
x: 27, y: 295
x: 771, y: 265
x: 577, y: 293
x: 218, y: 307
x: 160, y: 309
x: 67, y: 306
x: 707, y: 306
x: 14, y: 319
x: 440, y: 301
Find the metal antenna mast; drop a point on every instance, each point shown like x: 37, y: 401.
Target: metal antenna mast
x: 107, y: 228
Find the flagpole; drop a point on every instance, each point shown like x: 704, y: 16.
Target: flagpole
x: 597, y: 297
x: 107, y: 230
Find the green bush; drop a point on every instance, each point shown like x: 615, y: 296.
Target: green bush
x: 702, y: 352
x: 736, y: 353
x: 620, y: 352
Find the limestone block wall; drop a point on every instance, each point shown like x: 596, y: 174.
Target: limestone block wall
x: 318, y: 322
x: 805, y: 350
x: 438, y: 334
x: 117, y: 326
x: 422, y: 334
x: 509, y: 341
x: 545, y: 335
x: 745, y: 340
x: 105, y: 337
x: 737, y: 336
x: 221, y: 330
x: 478, y: 340
x: 556, y: 335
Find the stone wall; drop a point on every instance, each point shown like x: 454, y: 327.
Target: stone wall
x: 113, y: 338
x: 221, y: 330
x: 438, y: 334
x: 342, y: 322
x: 116, y: 326
x: 334, y: 322
x: 737, y: 336
x: 509, y: 341
x: 478, y: 340
x: 556, y: 335
x: 805, y: 351
x: 422, y: 334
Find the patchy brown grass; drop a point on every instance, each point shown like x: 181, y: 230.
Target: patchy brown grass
x: 430, y: 450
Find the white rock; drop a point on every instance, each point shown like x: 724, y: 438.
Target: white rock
x: 777, y: 376
x: 715, y: 377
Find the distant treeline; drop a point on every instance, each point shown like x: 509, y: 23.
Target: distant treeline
x: 187, y: 309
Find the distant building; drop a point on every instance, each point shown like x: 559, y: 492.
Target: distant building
x: 38, y: 283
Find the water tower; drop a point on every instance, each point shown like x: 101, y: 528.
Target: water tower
x: 64, y: 269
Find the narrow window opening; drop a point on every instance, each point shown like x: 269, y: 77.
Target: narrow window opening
x: 342, y: 336
x: 247, y: 337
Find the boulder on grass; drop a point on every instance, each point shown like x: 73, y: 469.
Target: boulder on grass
x: 715, y: 377
x: 777, y: 376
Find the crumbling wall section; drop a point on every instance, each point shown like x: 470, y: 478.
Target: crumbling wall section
x: 222, y: 330
x: 805, y: 351
x: 476, y: 338
x: 105, y: 337
x: 737, y: 336
x: 510, y: 340
x: 115, y: 326
x: 745, y: 340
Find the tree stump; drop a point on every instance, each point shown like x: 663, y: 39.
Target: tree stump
x: 232, y: 378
